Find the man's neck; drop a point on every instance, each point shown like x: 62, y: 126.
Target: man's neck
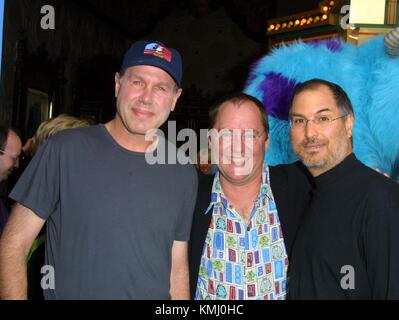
x: 242, y: 196
x: 129, y: 141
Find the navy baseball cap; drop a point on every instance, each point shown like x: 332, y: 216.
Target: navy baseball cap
x: 154, y: 53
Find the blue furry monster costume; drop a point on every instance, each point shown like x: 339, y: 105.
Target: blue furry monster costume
x: 370, y: 76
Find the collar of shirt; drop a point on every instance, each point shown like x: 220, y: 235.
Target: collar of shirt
x: 219, y: 199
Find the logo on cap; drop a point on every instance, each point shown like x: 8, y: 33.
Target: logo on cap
x: 159, y: 51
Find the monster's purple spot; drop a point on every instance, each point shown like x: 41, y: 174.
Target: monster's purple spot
x: 278, y: 91
x: 332, y: 44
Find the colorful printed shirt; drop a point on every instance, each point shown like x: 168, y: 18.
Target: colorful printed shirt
x: 239, y: 260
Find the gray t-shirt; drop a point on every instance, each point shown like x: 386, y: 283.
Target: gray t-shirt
x: 111, y: 217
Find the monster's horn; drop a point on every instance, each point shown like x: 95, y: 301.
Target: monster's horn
x: 391, y: 43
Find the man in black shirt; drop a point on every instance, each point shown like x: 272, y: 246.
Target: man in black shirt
x: 347, y: 246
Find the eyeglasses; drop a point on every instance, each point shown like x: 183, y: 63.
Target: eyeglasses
x: 246, y: 134
x: 14, y: 158
x: 320, y: 121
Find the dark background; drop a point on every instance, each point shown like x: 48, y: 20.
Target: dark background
x: 75, y: 63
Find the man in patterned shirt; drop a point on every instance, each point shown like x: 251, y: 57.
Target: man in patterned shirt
x: 238, y: 247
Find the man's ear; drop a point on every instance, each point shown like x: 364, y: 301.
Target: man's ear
x: 349, y: 121
x: 267, y: 142
x: 175, y: 98
x: 117, y: 83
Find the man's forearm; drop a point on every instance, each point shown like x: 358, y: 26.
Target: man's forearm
x: 179, y: 277
x: 180, y: 287
x: 13, y: 274
x: 21, y: 229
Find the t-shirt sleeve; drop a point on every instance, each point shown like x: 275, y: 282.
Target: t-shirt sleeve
x: 185, y: 218
x: 38, y: 187
x: 382, y: 246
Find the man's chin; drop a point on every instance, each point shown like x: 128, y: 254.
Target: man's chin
x: 239, y: 172
x: 314, y: 163
x: 236, y: 179
x: 142, y: 131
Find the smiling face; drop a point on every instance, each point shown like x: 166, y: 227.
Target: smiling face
x: 240, y: 156
x: 145, y: 97
x: 320, y: 147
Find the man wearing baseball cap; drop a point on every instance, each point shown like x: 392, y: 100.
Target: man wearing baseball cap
x: 115, y: 227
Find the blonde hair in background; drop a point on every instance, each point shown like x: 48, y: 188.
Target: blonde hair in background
x: 54, y: 125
